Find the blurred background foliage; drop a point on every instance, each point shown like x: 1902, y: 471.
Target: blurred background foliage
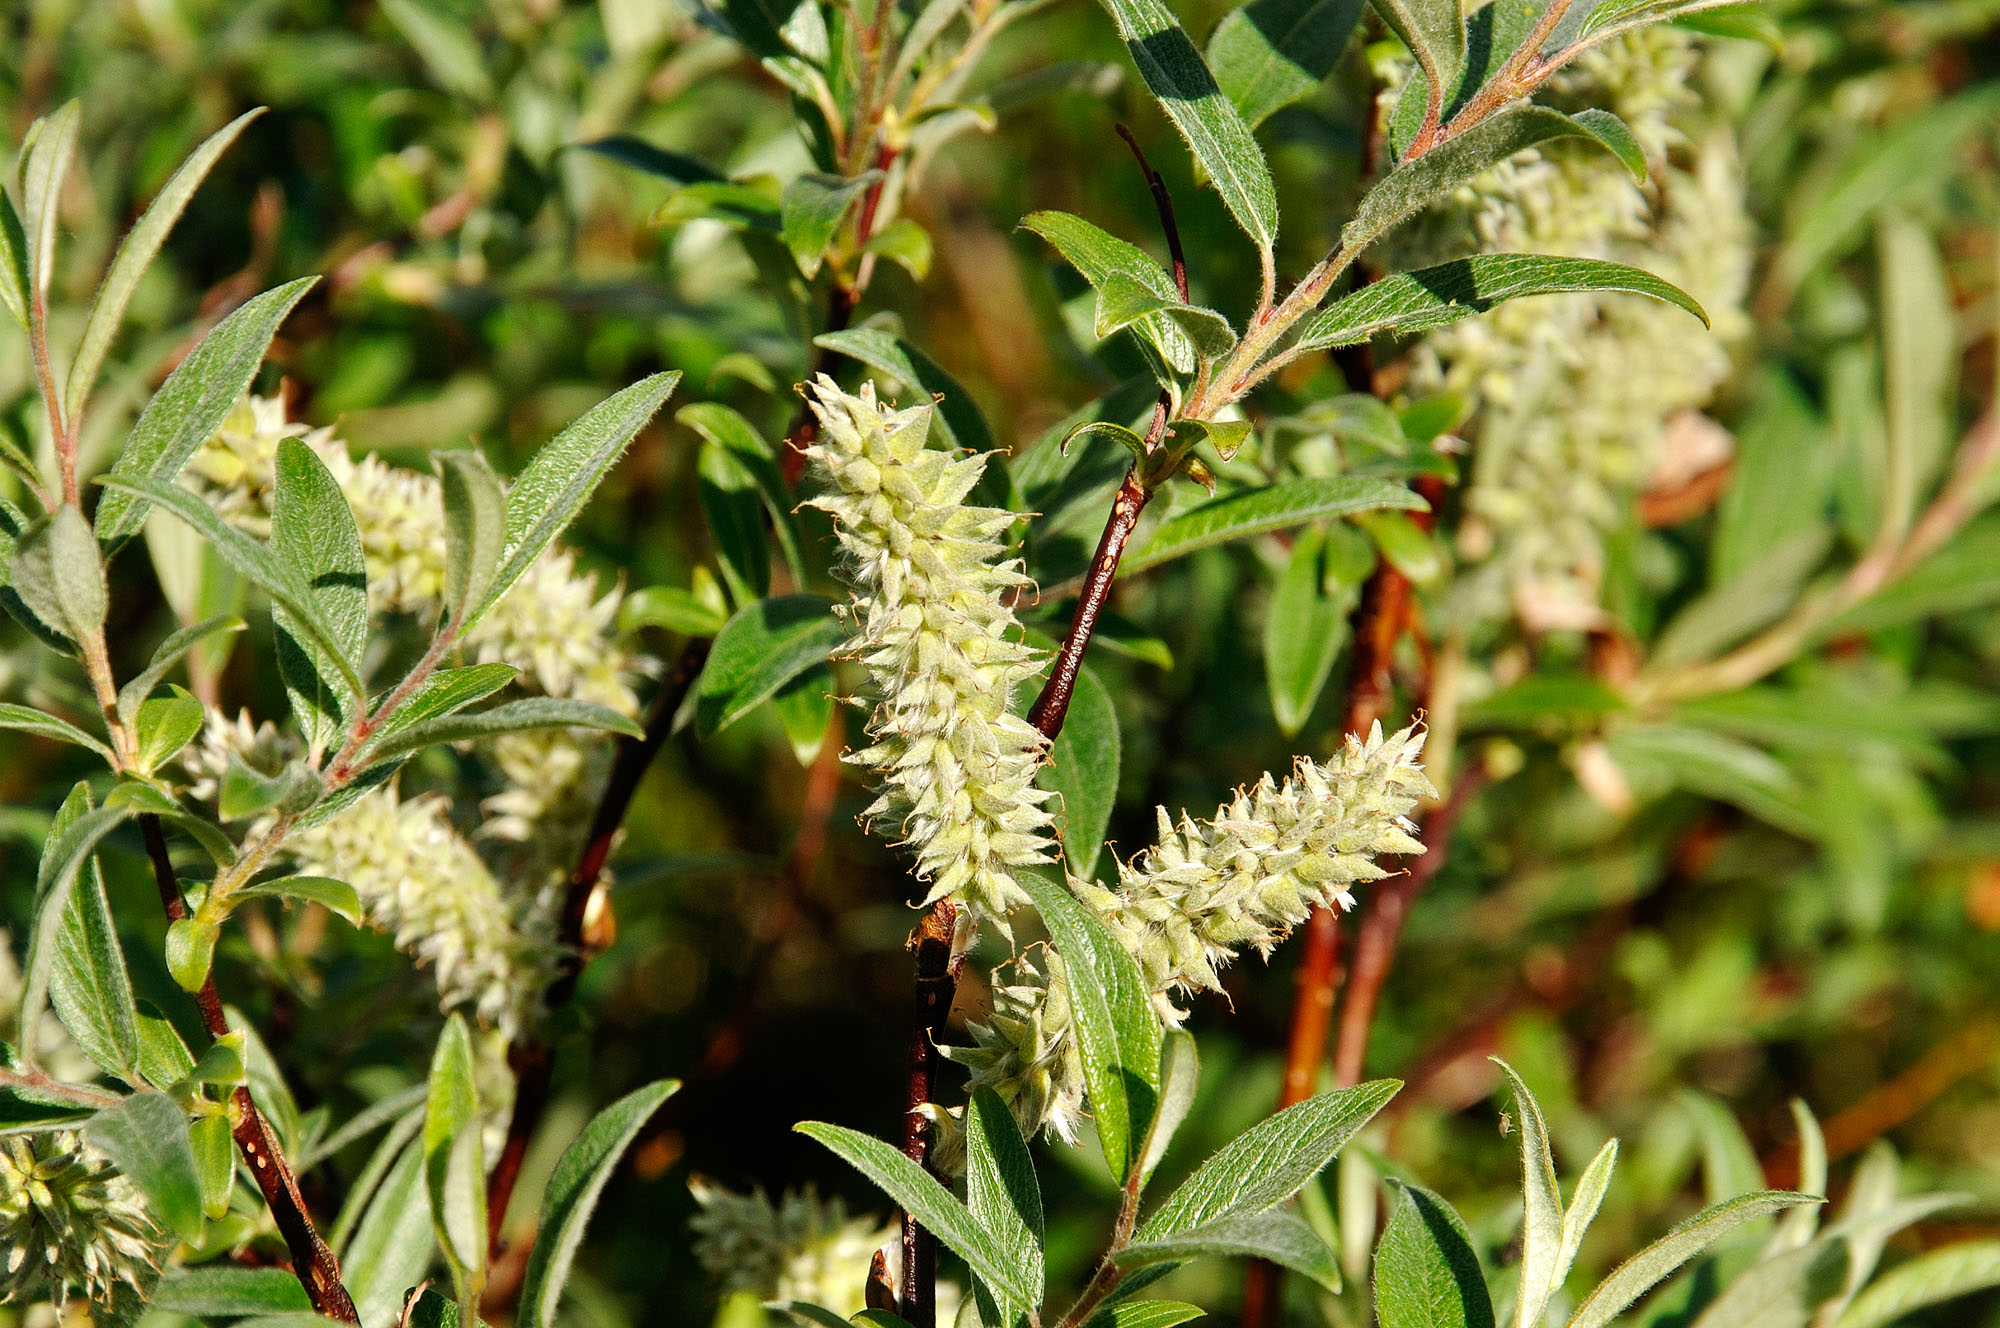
x: 1669, y: 913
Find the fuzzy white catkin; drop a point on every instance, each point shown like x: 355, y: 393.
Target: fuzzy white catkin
x: 929, y: 620
x: 1207, y: 891
x: 1573, y: 394
x: 481, y: 910
x: 800, y: 1248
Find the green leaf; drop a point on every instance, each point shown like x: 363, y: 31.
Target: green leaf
x: 146, y: 1138
x: 764, y: 645
x: 1260, y: 511
x: 169, y: 654
x: 962, y: 424
x: 1434, y: 30
x: 314, y: 537
x: 1144, y: 1314
x: 88, y: 984
x: 1919, y: 364
x: 1180, y: 1077
x: 1929, y: 1279
x: 1277, y: 1235
x: 446, y: 692
x: 1124, y: 299
x: 24, y: 719
x: 274, y: 577
x: 1419, y: 301
x: 1208, y: 120
x: 1117, y: 1029
x: 905, y: 243
x: 920, y: 1195
x: 392, y: 1247
x: 13, y: 261
x: 535, y: 712
x: 726, y: 428
x: 741, y: 207
x: 60, y: 577
x: 547, y: 495
x: 475, y: 521
x: 578, y: 1180
x: 222, y: 1063
x: 1098, y: 257
x: 811, y: 209
x: 1582, y: 1209
x: 640, y: 155
x: 46, y: 164
x: 191, y: 950
x: 214, y: 1164
x: 1754, y: 597
x: 1082, y: 769
x: 220, y: 1290
x: 1269, y: 1162
x: 336, y: 896
x: 63, y: 861
x: 163, y: 1058
x: 671, y: 609
x: 729, y: 501
x: 1651, y: 1266
x: 1003, y: 1195
x: 1608, y: 19
x: 1304, y: 630
x: 164, y: 725
x: 1426, y: 1274
x: 454, y: 1174
x: 1542, y: 1209
x: 447, y: 48
x: 135, y: 254
x: 1415, y: 185
x: 1271, y: 53
x: 190, y: 405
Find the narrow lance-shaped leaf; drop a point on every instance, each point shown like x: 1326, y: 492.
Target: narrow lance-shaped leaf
x: 42, y: 175
x: 1541, y: 1204
x: 920, y: 1195
x: 1002, y: 1193
x: 194, y: 400
x: 89, y: 985
x: 1583, y: 1207
x: 547, y: 495
x: 454, y: 1175
x: 135, y: 254
x: 446, y: 692
x: 1277, y: 1235
x: 169, y: 653
x: 314, y: 535
x: 1097, y: 255
x: 811, y: 209
x: 536, y: 712
x: 1290, y: 503
x: 63, y: 861
x: 13, y: 261
x: 26, y: 719
x: 762, y: 647
x: 475, y: 517
x: 1082, y: 769
x: 1117, y: 1029
x: 1271, y: 1161
x: 254, y: 561
x: 1652, y: 1265
x: 1929, y: 1279
x: 1125, y: 299
x: 1417, y: 184
x: 1208, y: 120
x: 57, y: 573
x: 1180, y: 1076
x: 578, y: 1180
x: 726, y: 428
x: 1414, y: 302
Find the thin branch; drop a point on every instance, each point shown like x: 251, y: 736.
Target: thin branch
x: 532, y: 1061
x: 937, y: 986
x: 1052, y: 706
x: 1164, y: 203
x: 1382, y: 927
x: 313, y: 1263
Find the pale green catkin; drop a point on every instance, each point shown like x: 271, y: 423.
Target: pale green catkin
x: 69, y: 1223
x: 801, y: 1247
x: 929, y: 621
x: 1208, y: 890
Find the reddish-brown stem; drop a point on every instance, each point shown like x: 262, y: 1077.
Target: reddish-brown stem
x: 532, y: 1061
x: 937, y: 985
x: 1052, y: 706
x: 1382, y: 926
x: 313, y: 1263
